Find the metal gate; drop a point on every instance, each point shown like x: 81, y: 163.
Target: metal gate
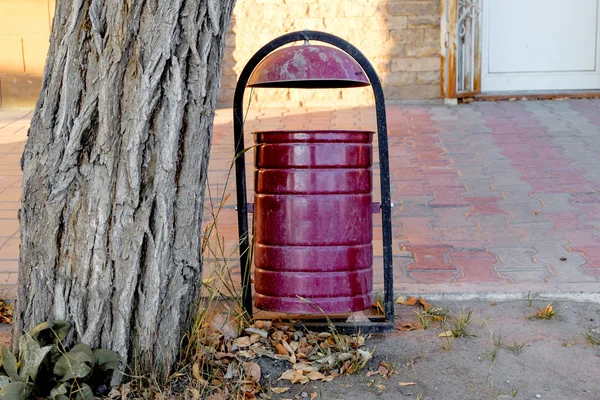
x: 461, y: 33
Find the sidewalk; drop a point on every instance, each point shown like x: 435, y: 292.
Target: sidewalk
x: 13, y: 132
x: 489, y: 197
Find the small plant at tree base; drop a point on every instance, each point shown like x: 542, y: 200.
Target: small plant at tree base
x: 447, y: 346
x: 424, y: 319
x: 545, y: 313
x: 461, y: 326
x: 593, y: 337
x: 45, y: 369
x: 514, y: 348
x: 433, y: 314
x: 492, y: 354
x: 569, y: 343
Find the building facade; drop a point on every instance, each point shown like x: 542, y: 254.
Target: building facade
x: 24, y: 33
x: 425, y: 50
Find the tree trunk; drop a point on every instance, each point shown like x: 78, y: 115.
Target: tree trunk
x: 114, y: 172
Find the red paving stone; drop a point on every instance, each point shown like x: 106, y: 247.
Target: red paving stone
x: 447, y: 197
x: 485, y: 209
x: 568, y: 222
x: 477, y: 271
x: 591, y: 253
x: 429, y: 257
x: 487, y: 195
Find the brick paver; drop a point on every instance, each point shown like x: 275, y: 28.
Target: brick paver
x: 487, y: 196
x: 13, y: 132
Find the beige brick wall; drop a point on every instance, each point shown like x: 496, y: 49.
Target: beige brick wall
x: 24, y: 34
x: 401, y: 39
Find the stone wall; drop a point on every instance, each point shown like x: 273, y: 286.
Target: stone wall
x: 24, y: 34
x: 401, y: 38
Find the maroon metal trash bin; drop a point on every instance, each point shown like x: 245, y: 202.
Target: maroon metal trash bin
x: 313, y: 221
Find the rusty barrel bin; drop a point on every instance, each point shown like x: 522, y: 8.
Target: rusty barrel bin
x: 313, y: 221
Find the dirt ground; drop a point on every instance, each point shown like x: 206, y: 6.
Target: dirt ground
x: 511, y: 356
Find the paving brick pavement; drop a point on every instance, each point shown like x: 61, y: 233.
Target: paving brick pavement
x: 13, y: 131
x: 491, y: 196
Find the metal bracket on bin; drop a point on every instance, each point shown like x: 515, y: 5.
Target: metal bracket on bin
x: 376, y: 325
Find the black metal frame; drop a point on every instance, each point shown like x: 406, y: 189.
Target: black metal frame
x: 240, y: 168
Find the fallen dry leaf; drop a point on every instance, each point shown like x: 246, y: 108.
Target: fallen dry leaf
x: 305, y: 367
x: 253, y: 371
x: 315, y: 376
x: 299, y: 377
x: 6, y: 313
x: 280, y: 390
x: 358, y: 316
x: 261, y: 351
x: 313, y: 395
x: 446, y: 334
x: 280, y: 349
x: 383, y: 371
x: 261, y: 332
x: 411, y: 301
x: 217, y: 396
x: 247, y: 353
x: 294, y: 345
x: 287, y: 375
x: 380, y: 387
x: 259, y: 324
x: 225, y: 324
x: 378, y: 307
x: 219, y: 355
x: 277, y: 336
x: 287, y: 347
x: 407, y: 383
x: 255, y: 337
x: 242, y: 341
x: 250, y: 389
x: 231, y: 372
x: 292, y: 359
x: 364, y: 355
x: 424, y: 303
x: 406, y: 326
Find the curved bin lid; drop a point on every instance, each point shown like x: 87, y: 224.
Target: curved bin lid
x: 308, y: 66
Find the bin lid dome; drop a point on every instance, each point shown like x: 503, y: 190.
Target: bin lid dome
x: 308, y: 66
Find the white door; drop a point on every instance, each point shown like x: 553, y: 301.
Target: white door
x: 540, y: 45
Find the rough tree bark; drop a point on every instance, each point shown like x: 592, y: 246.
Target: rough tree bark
x: 114, y: 172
